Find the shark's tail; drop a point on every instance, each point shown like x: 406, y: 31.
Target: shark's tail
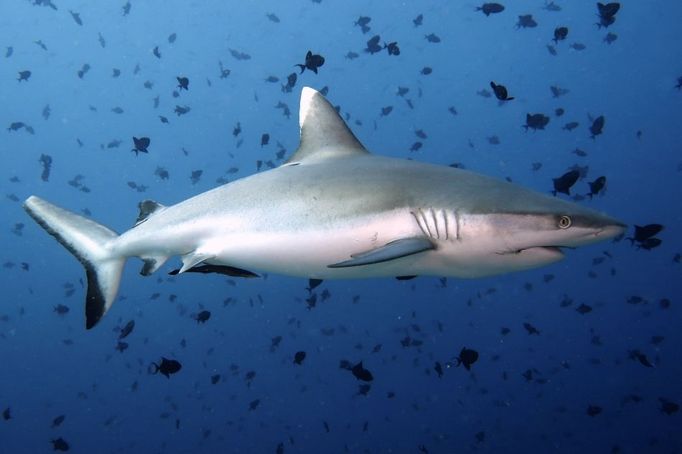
x: 90, y: 243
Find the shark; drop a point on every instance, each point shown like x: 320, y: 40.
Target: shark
x: 333, y: 210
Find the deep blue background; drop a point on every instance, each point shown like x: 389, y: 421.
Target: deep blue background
x: 50, y: 365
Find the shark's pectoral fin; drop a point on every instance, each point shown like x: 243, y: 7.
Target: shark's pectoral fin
x: 219, y: 269
x: 390, y: 251
x: 152, y: 264
x: 192, y: 259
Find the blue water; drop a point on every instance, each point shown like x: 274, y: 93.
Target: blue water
x: 52, y: 366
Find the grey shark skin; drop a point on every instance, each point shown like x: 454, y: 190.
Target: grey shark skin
x: 334, y: 210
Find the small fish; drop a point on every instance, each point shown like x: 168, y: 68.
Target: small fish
x: 578, y: 46
x: 59, y: 444
x: 597, y: 186
x: 417, y: 21
x: 392, y: 48
x: 439, y: 369
x: 490, y: 8
x: 156, y: 52
x: 432, y: 38
x: 121, y: 346
x: 564, y: 183
x: 172, y: 37
x: 181, y: 110
x: 76, y: 17
x: 373, y: 46
x: 560, y: 34
x: 299, y: 357
x: 56, y: 422
x: 202, y: 317
x: 351, y: 55
x: 264, y: 139
x: 140, y: 145
x: 360, y: 373
x: 167, y: 367
x: 500, y: 92
x: 610, y: 38
x: 7, y: 414
x: 183, y: 83
x: 597, y: 126
x: 239, y: 55
x: 571, y: 125
x: 126, y: 330
x: 667, y: 406
x: 607, y: 13
x: 272, y: 17
x: 467, y: 357
x: 24, y: 75
x: 643, y: 233
x: 558, y: 91
x: 526, y: 21
x: 312, y: 62
x: 593, y: 410
x: 61, y: 309
x: 363, y: 23
x: 536, y: 121
x: 426, y: 70
x: 531, y: 329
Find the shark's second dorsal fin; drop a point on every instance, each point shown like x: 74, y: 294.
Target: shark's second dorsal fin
x: 147, y: 208
x: 324, y: 134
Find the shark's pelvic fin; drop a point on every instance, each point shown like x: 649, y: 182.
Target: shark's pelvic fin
x: 390, y: 251
x: 147, y: 208
x: 192, y: 259
x: 218, y: 269
x: 324, y: 134
x: 87, y: 240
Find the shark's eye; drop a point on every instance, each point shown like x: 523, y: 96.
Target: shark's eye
x: 564, y: 222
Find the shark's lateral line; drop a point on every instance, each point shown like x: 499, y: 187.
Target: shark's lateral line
x: 334, y: 210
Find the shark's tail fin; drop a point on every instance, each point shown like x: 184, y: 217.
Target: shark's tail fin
x: 88, y: 242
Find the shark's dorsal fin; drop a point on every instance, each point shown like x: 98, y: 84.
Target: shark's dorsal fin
x: 324, y: 134
x: 147, y: 208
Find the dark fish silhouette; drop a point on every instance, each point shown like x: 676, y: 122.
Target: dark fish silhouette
x: 291, y: 83
x: 240, y: 55
x: 392, y: 48
x: 363, y: 23
x: 490, y: 8
x: 641, y: 357
x: 667, y: 406
x: 312, y: 62
x: 167, y: 367
x: 76, y: 17
x: 564, y: 183
x: 558, y: 91
x: 597, y: 186
x: 46, y: 161
x: 373, y: 46
x: 597, y: 126
x: 7, y: 414
x: 500, y: 92
x: 593, y: 410
x: 183, y: 83
x: 439, y: 369
x: 299, y: 357
x: 607, y: 13
x: 202, y: 317
x: 467, y: 357
x: 140, y: 145
x: 126, y: 330
x: 536, y: 121
x: 571, y: 125
x: 61, y: 309
x: 361, y: 373
x: 526, y: 21
x: 24, y: 75
x: 643, y: 233
x: 59, y: 444
x: 610, y: 37
x: 432, y: 38
x: 531, y: 329
x: 560, y: 34
x: 56, y: 422
x: 417, y: 21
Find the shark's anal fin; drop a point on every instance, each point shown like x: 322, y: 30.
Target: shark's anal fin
x: 152, y: 264
x: 218, y: 269
x: 390, y: 251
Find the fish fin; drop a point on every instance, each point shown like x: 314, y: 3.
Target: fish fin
x: 193, y: 259
x: 390, y: 251
x: 147, y: 209
x: 88, y: 242
x: 324, y: 134
x: 218, y: 269
x: 152, y: 264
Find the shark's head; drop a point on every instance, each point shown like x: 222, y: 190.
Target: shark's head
x: 526, y: 229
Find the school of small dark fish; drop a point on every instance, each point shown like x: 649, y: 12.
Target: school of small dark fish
x: 287, y: 365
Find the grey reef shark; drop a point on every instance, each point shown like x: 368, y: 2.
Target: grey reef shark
x: 333, y: 210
